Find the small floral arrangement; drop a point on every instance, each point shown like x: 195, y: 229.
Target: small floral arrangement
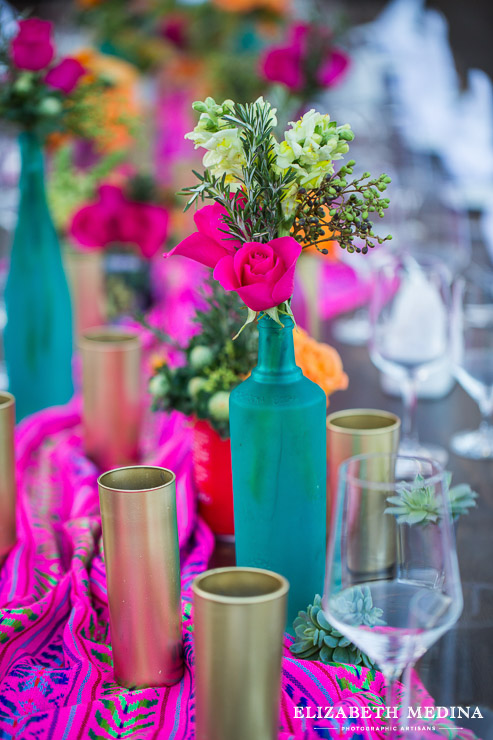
x: 416, y: 503
x: 123, y: 215
x: 214, y: 364
x: 273, y: 198
x: 40, y: 93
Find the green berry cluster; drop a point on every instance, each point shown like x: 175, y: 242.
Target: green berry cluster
x: 345, y: 207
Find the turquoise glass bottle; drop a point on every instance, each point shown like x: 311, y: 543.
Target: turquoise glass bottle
x: 38, y: 334
x: 278, y: 446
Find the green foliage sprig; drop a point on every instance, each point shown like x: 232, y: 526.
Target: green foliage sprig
x: 214, y: 363
x: 254, y: 212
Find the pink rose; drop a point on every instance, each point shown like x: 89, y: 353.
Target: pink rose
x: 145, y: 225
x: 32, y: 48
x: 98, y: 224
x: 65, y: 75
x: 262, y: 274
x: 209, y: 244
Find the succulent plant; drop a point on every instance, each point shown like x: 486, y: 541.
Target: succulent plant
x: 462, y: 498
x: 416, y: 503
x: 317, y: 639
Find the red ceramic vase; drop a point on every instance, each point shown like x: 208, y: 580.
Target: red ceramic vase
x: 213, y: 478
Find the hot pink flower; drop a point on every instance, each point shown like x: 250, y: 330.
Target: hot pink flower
x: 333, y: 68
x: 209, y: 244
x: 65, y: 75
x: 98, y: 224
x: 262, y: 274
x: 287, y: 64
x: 145, y: 225
x: 113, y: 219
x: 32, y: 48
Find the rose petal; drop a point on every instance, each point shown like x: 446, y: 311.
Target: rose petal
x: 200, y: 248
x: 258, y: 297
x: 209, y: 221
x: 224, y: 273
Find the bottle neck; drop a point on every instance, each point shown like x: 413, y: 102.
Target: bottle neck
x: 32, y: 159
x: 276, y: 361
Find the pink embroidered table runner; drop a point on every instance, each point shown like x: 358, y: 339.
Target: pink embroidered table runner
x: 56, y: 676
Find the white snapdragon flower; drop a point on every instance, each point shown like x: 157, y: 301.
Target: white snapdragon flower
x: 222, y: 141
x: 310, y: 146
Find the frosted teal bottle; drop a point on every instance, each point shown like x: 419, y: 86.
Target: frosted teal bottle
x: 38, y: 334
x: 278, y: 446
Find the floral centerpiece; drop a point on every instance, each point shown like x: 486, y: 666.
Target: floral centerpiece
x: 271, y: 198
x: 41, y: 96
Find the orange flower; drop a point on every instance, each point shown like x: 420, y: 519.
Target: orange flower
x: 332, y: 246
x: 320, y: 363
x: 157, y: 361
x: 89, y: 3
x: 116, y: 109
x: 245, y: 6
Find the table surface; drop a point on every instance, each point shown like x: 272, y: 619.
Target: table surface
x: 458, y: 669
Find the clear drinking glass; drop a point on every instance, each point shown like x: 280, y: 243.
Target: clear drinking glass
x: 410, y: 335
x: 392, y: 583
x: 472, y: 355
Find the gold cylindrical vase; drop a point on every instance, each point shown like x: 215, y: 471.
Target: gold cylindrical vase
x: 85, y: 272
x: 355, y: 432
x: 111, y: 395
x: 7, y: 477
x: 239, y: 615
x: 142, y: 559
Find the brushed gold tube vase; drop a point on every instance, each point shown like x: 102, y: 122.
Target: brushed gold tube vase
x: 364, y: 431
x: 85, y: 273
x: 239, y: 614
x: 111, y: 395
x: 8, y: 489
x: 142, y: 558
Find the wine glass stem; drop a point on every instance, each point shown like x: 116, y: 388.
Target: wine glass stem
x: 410, y: 401
x: 393, y: 705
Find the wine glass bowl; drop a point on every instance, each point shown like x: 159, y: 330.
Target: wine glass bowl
x: 472, y: 355
x: 392, y: 582
x: 410, y: 334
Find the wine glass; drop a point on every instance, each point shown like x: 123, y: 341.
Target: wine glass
x: 410, y: 335
x: 392, y: 584
x: 472, y: 356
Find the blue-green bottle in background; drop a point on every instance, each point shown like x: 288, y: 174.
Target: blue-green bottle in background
x: 278, y: 446
x: 38, y: 334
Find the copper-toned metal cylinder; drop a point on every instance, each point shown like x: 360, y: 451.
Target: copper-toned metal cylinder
x: 85, y: 272
x: 239, y: 615
x: 112, y: 395
x: 142, y: 558
x: 7, y: 477
x: 364, y: 431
